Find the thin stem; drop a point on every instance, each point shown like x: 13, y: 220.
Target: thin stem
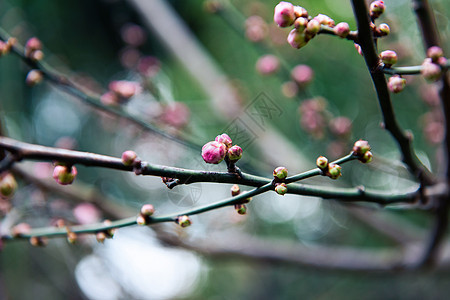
x: 409, y: 70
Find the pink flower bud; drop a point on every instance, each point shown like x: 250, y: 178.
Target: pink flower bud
x: 281, y: 189
x: 280, y: 173
x: 383, y: 29
x: 37, y: 55
x: 302, y: 74
x: 431, y: 71
x: 255, y: 28
x: 297, y: 39
x: 341, y: 30
x: 300, y: 24
x: 434, y: 53
x: 267, y: 64
x: 147, y: 210
x: 300, y: 12
x: 124, y: 89
x: 100, y: 236
x: 32, y: 45
x: 324, y: 20
x: 128, y: 157
x: 63, y: 176
x: 8, y: 185
x: 388, y: 57
x: 376, y: 9
x: 289, y: 89
x: 184, y: 221
x: 322, y: 162
x: 140, y: 220
x: 284, y: 14
x: 224, y: 139
x: 313, y: 27
x: 3, y: 48
x: 235, y: 153
x: 213, y: 152
x: 86, y: 213
x: 34, y: 77
x: 109, y: 99
x: 72, y: 237
x: 361, y: 147
x: 21, y: 229
x: 235, y: 190
x: 241, y: 209
x: 334, y: 171
x: 442, y: 61
x: 149, y: 66
x: 396, y: 84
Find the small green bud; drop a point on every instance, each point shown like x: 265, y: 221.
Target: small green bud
x: 100, y: 236
x: 241, y: 209
x: 389, y: 57
x: 72, y: 237
x: 235, y: 190
x: 334, y: 171
x: 280, y: 173
x: 367, y: 157
x: 8, y: 185
x: 184, y: 221
x: 281, y: 189
x: 322, y: 162
x: 361, y: 147
x: 383, y: 29
x: 140, y: 220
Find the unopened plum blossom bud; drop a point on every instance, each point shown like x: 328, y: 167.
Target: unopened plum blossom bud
x: 334, y: 171
x: 284, y: 14
x: 396, y: 84
x: 3, y: 48
x: 389, y: 57
x: 360, y: 148
x: 21, y: 229
x: 300, y: 24
x: 64, y: 176
x: 313, y: 27
x: 32, y: 45
x: 213, y: 152
x: 37, y: 55
x: 342, y: 29
x: 324, y: 20
x: 8, y: 185
x: 184, y: 221
x: 37, y: 241
x: 140, y: 220
x: 431, y: 71
x: 383, y: 29
x: 72, y: 237
x: 300, y: 12
x: 302, y: 74
x: 124, y: 89
x: 322, y: 162
x: 34, y: 77
x: 224, y: 139
x: 234, y: 153
x: 100, y: 236
x: 235, y: 190
x: 129, y: 157
x: 297, y: 39
x: 367, y: 157
x: 267, y: 64
x: 147, y: 210
x: 434, y: 53
x: 376, y: 9
x: 241, y: 209
x: 109, y: 99
x: 280, y: 172
x: 281, y: 188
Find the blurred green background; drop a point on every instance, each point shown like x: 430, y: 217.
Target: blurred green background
x: 89, y: 41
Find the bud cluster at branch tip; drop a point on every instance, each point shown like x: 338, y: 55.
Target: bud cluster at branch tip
x: 376, y: 9
x: 33, y: 49
x: 432, y: 65
x: 183, y: 221
x: 361, y: 149
x: 279, y: 177
x: 8, y: 185
x: 221, y: 148
x: 5, y: 47
x: 64, y: 174
x: 147, y: 210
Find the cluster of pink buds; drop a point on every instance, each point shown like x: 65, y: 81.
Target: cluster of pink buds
x: 101, y: 236
x: 432, y: 65
x: 33, y: 49
x: 5, y: 47
x: 147, y: 210
x: 305, y: 26
x: 361, y: 149
x: 216, y: 151
x: 279, y: 177
x: 8, y: 185
x: 64, y: 174
x: 120, y: 92
x: 328, y: 169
